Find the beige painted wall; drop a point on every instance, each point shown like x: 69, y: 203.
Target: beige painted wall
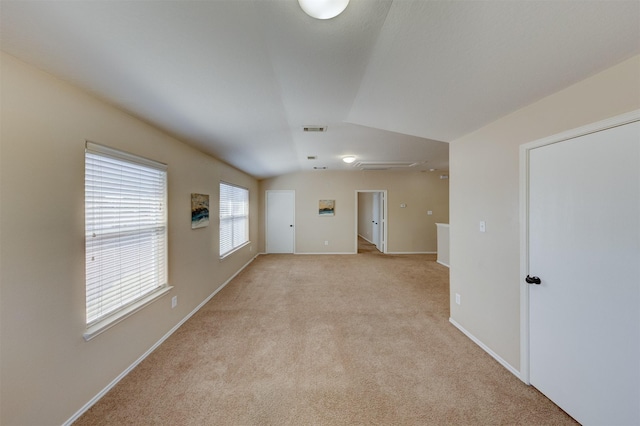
x: 410, y: 230
x: 48, y: 371
x: 484, y: 186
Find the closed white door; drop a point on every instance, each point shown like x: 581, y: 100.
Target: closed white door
x: 280, y: 227
x: 584, y: 246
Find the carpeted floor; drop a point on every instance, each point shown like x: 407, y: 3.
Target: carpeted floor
x: 325, y: 340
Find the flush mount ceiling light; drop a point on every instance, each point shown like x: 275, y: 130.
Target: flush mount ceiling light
x: 349, y: 159
x: 323, y: 9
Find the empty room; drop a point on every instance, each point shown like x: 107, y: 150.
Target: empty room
x: 328, y: 212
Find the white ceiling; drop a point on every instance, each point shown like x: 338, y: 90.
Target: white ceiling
x: 392, y: 80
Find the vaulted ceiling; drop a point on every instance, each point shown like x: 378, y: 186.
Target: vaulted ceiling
x: 393, y: 80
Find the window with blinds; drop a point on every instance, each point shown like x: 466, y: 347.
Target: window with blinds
x: 234, y: 218
x: 125, y: 230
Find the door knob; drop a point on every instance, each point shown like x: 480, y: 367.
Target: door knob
x: 532, y: 280
x: 290, y: 226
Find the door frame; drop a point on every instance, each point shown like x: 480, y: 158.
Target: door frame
x: 525, y: 149
x: 266, y: 216
x: 383, y: 203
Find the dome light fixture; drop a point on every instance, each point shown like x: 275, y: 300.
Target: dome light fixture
x: 349, y: 159
x: 323, y: 9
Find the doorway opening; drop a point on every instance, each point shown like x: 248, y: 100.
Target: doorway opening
x: 371, y: 221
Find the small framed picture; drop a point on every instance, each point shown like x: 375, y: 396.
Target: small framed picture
x: 199, y: 210
x: 326, y: 207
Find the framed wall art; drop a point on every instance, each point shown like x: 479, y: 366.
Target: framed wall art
x: 199, y: 210
x: 326, y: 207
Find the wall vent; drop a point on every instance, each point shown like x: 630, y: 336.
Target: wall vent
x: 320, y: 168
x: 315, y: 128
x: 312, y: 157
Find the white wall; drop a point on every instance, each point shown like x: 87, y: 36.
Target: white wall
x: 484, y: 186
x: 410, y: 230
x: 47, y: 370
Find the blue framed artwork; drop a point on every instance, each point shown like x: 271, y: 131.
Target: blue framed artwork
x: 326, y: 207
x: 199, y: 210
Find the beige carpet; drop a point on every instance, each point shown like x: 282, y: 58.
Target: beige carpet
x: 325, y: 340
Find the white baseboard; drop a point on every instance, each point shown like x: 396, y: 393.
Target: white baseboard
x: 325, y: 252
x: 351, y: 252
x: 495, y: 356
x: 115, y: 381
x: 443, y: 264
x: 366, y: 239
x: 411, y: 252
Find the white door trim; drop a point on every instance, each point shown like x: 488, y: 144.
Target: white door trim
x: 619, y: 120
x: 383, y: 220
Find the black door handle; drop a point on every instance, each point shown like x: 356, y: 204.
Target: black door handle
x: 532, y: 280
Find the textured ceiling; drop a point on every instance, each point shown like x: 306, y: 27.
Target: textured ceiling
x: 392, y: 80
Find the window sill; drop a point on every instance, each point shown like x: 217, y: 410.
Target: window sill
x: 234, y: 250
x: 114, y: 319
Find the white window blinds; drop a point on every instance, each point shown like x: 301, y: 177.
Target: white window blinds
x: 125, y: 229
x: 234, y: 217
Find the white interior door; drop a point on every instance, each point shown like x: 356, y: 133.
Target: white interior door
x: 584, y: 245
x: 280, y: 225
x: 375, y: 215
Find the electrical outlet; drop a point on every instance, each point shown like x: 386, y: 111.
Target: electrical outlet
x: 457, y: 299
x: 429, y: 212
x: 326, y: 243
x: 174, y: 302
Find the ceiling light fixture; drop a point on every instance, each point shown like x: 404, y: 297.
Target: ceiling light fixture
x: 349, y: 159
x: 323, y: 9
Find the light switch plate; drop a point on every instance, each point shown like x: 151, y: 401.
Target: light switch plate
x: 483, y: 226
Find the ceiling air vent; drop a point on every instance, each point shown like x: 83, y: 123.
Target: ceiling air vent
x: 312, y: 157
x: 315, y: 128
x: 384, y: 165
x: 320, y: 168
